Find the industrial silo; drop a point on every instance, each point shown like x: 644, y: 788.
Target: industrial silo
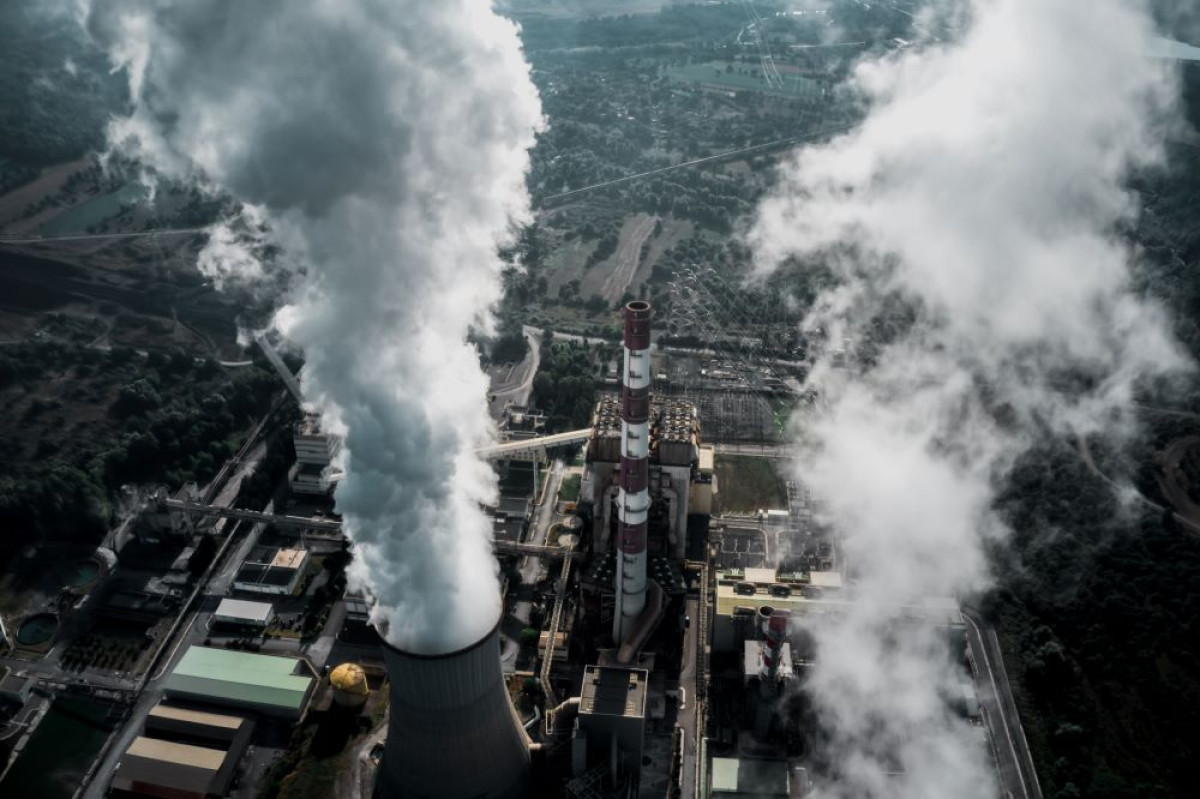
x: 452, y: 730
x: 350, y: 689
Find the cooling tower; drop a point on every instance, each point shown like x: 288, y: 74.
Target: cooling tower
x: 452, y: 731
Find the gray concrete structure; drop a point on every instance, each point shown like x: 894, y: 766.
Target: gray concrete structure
x: 452, y: 730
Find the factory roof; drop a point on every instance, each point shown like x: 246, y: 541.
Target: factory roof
x: 240, y: 678
x: 746, y: 777
x: 611, y: 691
x: 162, y: 711
x: 244, y: 609
x: 195, y: 756
x: 289, y: 559
x: 825, y: 579
x: 264, y: 575
x: 820, y: 595
x: 759, y: 575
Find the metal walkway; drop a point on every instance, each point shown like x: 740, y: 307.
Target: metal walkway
x: 333, y: 525
x: 516, y: 449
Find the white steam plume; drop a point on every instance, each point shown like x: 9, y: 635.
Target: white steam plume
x: 386, y: 143
x: 984, y: 191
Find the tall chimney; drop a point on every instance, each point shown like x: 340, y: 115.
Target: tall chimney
x: 633, y: 500
x: 774, y: 632
x: 452, y: 731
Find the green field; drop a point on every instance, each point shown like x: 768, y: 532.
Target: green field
x: 94, y: 211
x: 746, y: 483
x: 742, y: 78
x: 568, y: 491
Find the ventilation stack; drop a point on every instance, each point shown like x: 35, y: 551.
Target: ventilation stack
x: 633, y: 500
x: 452, y: 731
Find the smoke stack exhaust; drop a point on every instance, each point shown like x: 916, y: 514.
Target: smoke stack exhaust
x: 452, y: 731
x: 633, y: 500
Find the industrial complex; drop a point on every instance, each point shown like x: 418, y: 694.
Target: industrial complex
x: 653, y: 639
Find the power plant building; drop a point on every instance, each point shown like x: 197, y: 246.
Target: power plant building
x: 316, y: 450
x: 611, y: 728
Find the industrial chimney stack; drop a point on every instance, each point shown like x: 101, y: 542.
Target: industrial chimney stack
x: 774, y: 632
x: 452, y: 731
x: 633, y: 499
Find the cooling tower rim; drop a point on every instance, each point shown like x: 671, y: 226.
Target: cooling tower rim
x: 408, y: 653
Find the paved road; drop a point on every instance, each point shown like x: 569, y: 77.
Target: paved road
x: 516, y: 389
x: 1018, y: 777
x: 5, y: 239
x: 688, y: 696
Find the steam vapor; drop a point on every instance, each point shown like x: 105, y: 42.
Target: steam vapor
x: 385, y: 144
x: 971, y: 221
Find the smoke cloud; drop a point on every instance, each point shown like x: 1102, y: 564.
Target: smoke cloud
x: 972, y: 221
x: 385, y: 144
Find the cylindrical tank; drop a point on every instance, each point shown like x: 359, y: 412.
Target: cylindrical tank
x: 452, y: 731
x: 349, y: 683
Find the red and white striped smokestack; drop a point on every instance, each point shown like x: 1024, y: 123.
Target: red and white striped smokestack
x: 633, y: 500
x: 775, y: 631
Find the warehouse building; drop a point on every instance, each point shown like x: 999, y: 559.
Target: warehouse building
x: 243, y: 613
x: 744, y: 778
x: 273, y: 686
x: 182, y: 754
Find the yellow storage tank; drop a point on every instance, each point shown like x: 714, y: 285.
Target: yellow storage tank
x: 349, y: 683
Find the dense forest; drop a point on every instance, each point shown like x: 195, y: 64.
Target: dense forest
x: 563, y: 387
x: 58, y: 91
x: 171, y: 418
x: 1098, y: 598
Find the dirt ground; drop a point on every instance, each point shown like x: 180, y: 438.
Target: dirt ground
x: 621, y: 267
x: 625, y: 270
x: 49, y: 182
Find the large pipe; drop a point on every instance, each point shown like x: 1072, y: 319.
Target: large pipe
x: 633, y: 500
x: 452, y: 731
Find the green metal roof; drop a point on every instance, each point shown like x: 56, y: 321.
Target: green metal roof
x: 242, y: 677
x: 724, y: 774
x: 749, y: 777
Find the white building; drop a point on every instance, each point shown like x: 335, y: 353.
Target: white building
x: 244, y: 612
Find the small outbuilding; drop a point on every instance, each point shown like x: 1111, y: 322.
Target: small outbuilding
x: 244, y: 613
